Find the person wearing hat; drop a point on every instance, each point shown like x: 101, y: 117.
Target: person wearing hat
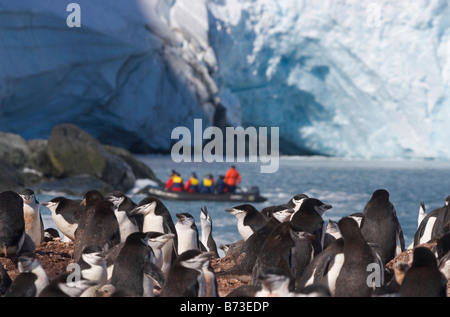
x: 192, y: 185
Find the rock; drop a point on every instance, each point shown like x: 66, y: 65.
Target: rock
x: 10, y: 177
x: 13, y: 149
x: 140, y: 169
x: 73, y: 151
x: 76, y: 185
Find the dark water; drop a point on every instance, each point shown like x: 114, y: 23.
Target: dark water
x: 345, y: 184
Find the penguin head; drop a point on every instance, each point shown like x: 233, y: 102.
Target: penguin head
x: 54, y: 203
x: 138, y: 238
x: 146, y: 206
x: 93, y: 255
x: 156, y: 240
x: 28, y: 196
x: 194, y: 259
x: 296, y: 201
x: 91, y: 198
x: 116, y: 197
x: 241, y: 210
x: 313, y: 204
x: 282, y: 213
x: 28, y: 262
x: 185, y: 219
x: 204, y: 215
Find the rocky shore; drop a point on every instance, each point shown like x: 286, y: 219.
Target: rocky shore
x: 56, y: 256
x: 71, y: 161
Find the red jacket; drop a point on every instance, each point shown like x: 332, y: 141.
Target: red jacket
x: 232, y: 177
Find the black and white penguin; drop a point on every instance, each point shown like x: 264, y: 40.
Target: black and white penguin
x: 51, y: 234
x: 353, y: 275
x: 279, y: 250
x: 324, y: 268
x: 156, y: 241
x: 432, y: 224
x: 92, y: 266
x: 249, y: 219
x: 186, y: 277
x: 380, y: 226
x: 64, y: 286
x: 187, y: 232
x: 12, y: 224
x: 297, y: 201
x: 31, y: 280
x: 122, y: 206
x: 65, y: 214
x: 102, y: 229
x: 157, y: 218
x: 252, y: 246
x: 331, y: 233
x: 309, y: 219
x: 134, y: 269
x: 423, y: 278
x: 34, y: 226
x: 206, y: 233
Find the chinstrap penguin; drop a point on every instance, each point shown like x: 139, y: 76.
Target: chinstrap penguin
x: 249, y: 219
x: 34, y: 225
x: 12, y: 224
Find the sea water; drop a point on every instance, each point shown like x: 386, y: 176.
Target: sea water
x: 346, y: 184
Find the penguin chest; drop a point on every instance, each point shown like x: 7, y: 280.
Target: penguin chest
x: 67, y: 228
x: 126, y: 226
x: 153, y: 223
x: 32, y: 223
x: 187, y: 239
x: 96, y: 273
x: 244, y: 230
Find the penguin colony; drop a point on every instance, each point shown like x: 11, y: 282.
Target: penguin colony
x: 123, y: 248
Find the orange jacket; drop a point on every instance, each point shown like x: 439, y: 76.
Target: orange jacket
x: 232, y: 177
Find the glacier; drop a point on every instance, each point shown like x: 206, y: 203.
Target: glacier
x: 365, y: 79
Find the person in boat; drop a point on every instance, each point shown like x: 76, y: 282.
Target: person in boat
x: 207, y: 184
x: 232, y: 179
x: 175, y: 183
x: 220, y: 186
x: 192, y: 185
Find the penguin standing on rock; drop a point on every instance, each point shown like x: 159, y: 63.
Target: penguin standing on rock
x: 423, y: 278
x: 65, y: 214
x: 12, y: 223
x: 34, y: 225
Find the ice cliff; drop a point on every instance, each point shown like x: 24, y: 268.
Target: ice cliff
x: 343, y: 78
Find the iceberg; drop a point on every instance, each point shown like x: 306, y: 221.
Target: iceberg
x: 365, y: 79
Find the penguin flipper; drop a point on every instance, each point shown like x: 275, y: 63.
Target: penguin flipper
x: 155, y: 273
